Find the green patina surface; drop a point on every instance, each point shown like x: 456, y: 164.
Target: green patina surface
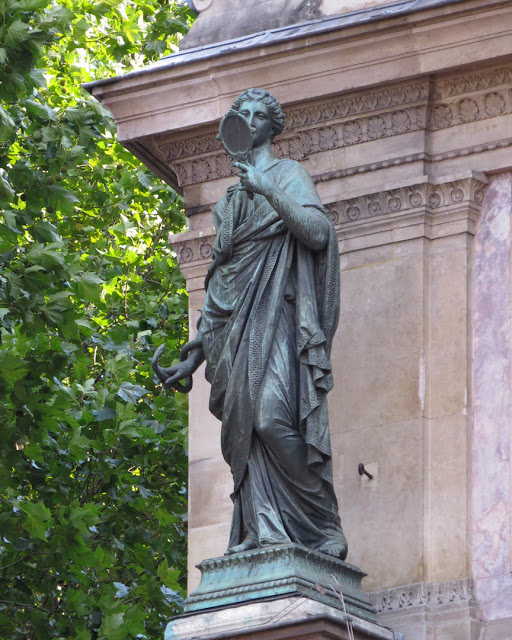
x: 278, y: 571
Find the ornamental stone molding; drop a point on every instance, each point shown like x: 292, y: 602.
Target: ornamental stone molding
x: 191, y: 247
x: 423, y: 594
x: 426, y: 199
x: 429, y: 105
x: 430, y: 196
x: 342, y: 109
x: 339, y: 123
x: 470, y: 97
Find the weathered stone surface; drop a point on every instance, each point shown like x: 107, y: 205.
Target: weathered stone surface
x: 277, y: 571
x: 228, y: 19
x: 491, y: 437
x: 277, y: 618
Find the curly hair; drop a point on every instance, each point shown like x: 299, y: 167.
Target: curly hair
x: 261, y: 95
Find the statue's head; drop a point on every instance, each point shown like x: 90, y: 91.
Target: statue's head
x: 261, y: 95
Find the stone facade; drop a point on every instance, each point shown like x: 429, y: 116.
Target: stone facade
x: 403, y: 118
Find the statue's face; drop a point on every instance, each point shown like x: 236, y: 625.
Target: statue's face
x: 259, y: 119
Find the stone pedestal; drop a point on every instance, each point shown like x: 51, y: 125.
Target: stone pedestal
x: 278, y: 592
x: 280, y: 570
x: 277, y: 619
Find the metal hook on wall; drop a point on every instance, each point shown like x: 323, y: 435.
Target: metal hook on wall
x: 362, y: 471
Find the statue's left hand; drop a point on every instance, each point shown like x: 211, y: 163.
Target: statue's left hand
x: 191, y: 358
x: 253, y: 179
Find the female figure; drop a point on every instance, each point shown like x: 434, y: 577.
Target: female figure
x: 266, y: 330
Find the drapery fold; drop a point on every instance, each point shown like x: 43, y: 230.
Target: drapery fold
x: 264, y: 289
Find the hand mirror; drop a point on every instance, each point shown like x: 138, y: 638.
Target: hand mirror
x: 236, y: 137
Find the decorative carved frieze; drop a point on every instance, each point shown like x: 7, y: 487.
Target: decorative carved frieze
x: 339, y: 109
x: 461, y: 83
x: 346, y: 133
x: 193, y: 248
x: 301, y: 144
x: 469, y: 97
x: 185, y: 148
x: 339, y: 123
x: 431, y: 104
x: 462, y: 111
x: 423, y: 594
x: 426, y: 195
x: 431, y: 197
x: 357, y: 105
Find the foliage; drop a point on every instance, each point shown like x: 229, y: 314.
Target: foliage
x: 92, y: 454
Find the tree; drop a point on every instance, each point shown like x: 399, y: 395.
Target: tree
x: 92, y: 453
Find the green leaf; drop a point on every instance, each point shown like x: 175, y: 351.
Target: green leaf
x: 46, y: 256
x: 7, y: 125
x: 34, y: 452
x: 89, y: 286
x: 32, y: 5
x: 38, y: 519
x: 62, y: 199
x: 78, y: 444
x: 82, y: 634
x: 13, y: 368
x: 111, y: 625
x: 40, y: 110
x: 168, y: 575
x: 131, y: 392
x: 16, y: 33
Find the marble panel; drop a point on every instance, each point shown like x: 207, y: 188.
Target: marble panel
x: 491, y: 444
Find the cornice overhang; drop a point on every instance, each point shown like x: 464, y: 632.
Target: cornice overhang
x: 359, y: 18
x: 186, y: 94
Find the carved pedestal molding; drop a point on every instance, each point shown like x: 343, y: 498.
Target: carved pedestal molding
x: 423, y: 594
x: 422, y: 611
x: 280, y: 570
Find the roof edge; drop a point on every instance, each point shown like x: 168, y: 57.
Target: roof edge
x: 282, y: 34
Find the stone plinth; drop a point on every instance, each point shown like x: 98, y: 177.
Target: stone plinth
x: 280, y: 570
x: 277, y: 618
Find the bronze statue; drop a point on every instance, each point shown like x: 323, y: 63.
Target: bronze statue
x: 271, y: 310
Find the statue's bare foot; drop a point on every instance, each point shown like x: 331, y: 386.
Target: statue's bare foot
x: 246, y: 545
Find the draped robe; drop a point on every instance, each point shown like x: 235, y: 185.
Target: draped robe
x: 267, y: 325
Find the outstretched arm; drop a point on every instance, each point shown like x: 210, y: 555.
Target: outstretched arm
x: 307, y: 225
